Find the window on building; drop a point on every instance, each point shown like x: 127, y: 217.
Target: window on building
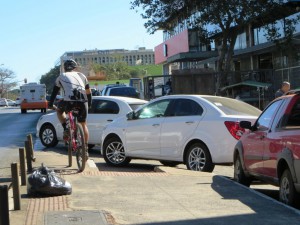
x: 241, y: 41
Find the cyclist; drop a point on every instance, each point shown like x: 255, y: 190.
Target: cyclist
x: 76, y: 92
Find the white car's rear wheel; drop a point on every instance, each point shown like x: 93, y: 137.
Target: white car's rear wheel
x: 198, y: 158
x: 114, y: 153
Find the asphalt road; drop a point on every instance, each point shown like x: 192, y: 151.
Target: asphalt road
x: 14, y: 128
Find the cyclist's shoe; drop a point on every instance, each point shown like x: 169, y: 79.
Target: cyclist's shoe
x: 66, y: 134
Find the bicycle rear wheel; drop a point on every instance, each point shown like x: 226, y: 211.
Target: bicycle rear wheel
x: 81, y: 148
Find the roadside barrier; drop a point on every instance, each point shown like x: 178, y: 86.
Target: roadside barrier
x: 16, y: 185
x: 27, y: 155
x: 22, y: 166
x: 30, y: 145
x: 4, y: 209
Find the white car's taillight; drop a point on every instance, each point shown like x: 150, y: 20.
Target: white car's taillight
x: 234, y: 129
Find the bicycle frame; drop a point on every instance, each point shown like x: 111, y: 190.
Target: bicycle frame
x: 72, y: 127
x: 76, y: 142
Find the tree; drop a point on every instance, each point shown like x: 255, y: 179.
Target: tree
x: 6, y: 81
x: 221, y: 20
x: 49, y: 79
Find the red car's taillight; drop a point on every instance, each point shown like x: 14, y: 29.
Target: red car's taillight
x: 234, y: 129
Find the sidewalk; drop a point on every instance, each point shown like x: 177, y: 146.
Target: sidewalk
x: 139, y: 195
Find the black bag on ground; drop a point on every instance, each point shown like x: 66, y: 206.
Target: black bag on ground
x: 44, y: 181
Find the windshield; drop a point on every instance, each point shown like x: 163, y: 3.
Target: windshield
x: 232, y: 106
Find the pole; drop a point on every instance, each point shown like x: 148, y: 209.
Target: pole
x: 28, y: 157
x: 16, y: 186
x: 4, y: 208
x: 29, y: 139
x: 22, y: 166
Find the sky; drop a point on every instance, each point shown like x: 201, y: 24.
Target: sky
x: 35, y: 33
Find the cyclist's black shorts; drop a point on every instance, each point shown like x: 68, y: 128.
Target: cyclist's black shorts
x: 66, y: 106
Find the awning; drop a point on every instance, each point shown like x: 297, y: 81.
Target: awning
x: 248, y: 83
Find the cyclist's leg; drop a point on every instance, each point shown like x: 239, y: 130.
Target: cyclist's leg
x: 85, y: 131
x: 60, y: 112
x: 82, y: 120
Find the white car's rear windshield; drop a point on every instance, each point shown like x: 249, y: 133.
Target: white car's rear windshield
x: 232, y: 106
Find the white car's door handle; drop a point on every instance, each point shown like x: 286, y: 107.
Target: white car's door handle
x: 109, y: 120
x: 189, y: 122
x: 155, y: 125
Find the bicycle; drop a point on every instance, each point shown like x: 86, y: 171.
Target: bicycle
x: 75, y: 141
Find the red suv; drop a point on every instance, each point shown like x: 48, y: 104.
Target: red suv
x: 270, y: 149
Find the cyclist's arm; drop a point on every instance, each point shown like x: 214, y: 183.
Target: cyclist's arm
x: 53, y: 96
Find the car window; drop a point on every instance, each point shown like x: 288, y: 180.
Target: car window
x: 126, y: 91
x: 233, y: 107
x: 155, y: 109
x: 135, y: 106
x: 294, y: 115
x: 264, y: 122
x: 186, y: 107
x: 104, y: 107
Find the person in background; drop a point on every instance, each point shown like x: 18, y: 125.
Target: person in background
x: 76, y: 93
x: 285, y: 87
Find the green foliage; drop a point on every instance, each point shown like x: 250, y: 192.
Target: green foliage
x: 120, y: 70
x: 49, y: 78
x: 6, y: 81
x: 148, y: 70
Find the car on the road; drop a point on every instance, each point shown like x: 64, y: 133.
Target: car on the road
x: 104, y: 110
x: 3, y: 102
x: 269, y: 150
x: 11, y: 102
x: 18, y: 101
x: 197, y: 130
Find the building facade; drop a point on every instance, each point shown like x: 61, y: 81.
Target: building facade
x: 87, y: 58
x: 258, y: 65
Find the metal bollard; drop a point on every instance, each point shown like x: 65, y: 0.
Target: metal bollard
x: 22, y: 166
x: 16, y: 185
x: 29, y: 139
x: 4, y: 207
x: 28, y: 157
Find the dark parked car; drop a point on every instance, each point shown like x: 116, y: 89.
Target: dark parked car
x: 123, y: 91
x: 108, y: 86
x: 270, y: 150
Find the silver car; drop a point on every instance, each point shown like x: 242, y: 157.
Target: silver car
x: 3, y: 102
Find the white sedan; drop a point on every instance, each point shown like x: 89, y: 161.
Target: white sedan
x: 103, y: 111
x: 199, y: 131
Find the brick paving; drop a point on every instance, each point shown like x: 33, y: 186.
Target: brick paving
x: 38, y: 206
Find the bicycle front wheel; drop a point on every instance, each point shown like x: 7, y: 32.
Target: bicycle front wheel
x: 80, y: 148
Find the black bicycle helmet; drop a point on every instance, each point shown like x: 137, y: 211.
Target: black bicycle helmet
x: 70, y: 65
